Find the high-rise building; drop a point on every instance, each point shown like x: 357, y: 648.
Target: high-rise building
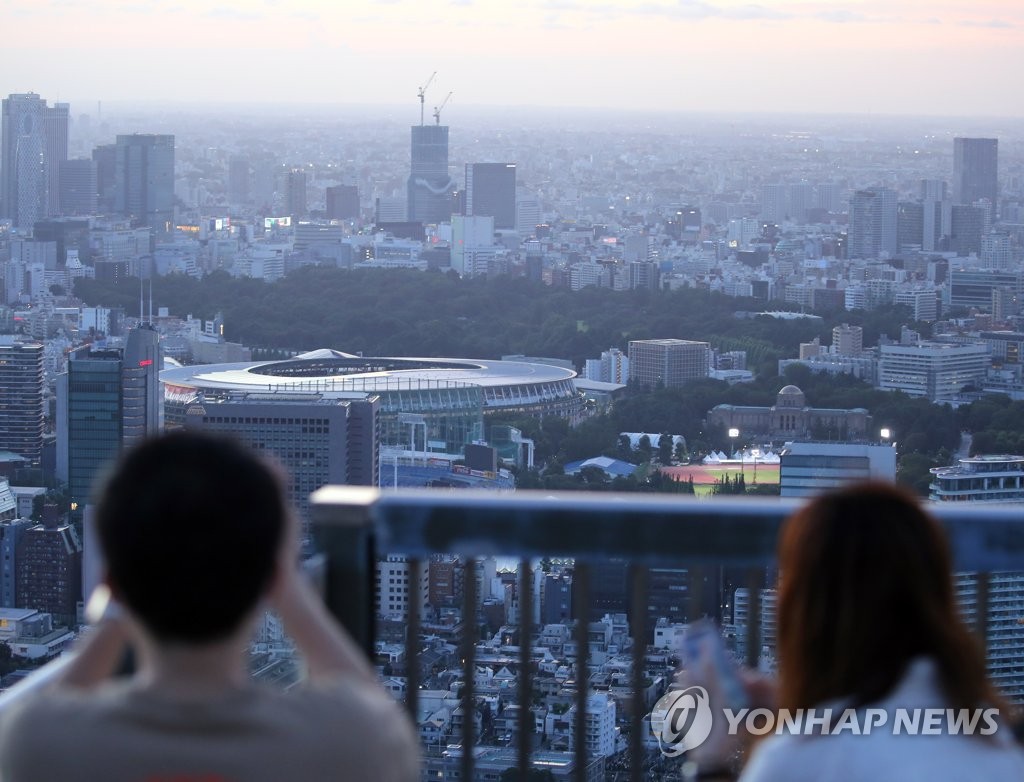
x: 21, y: 398
x: 141, y: 395
x: 78, y: 187
x: 105, y: 158
x: 1005, y: 303
x: 473, y: 245
x: 144, y: 179
x: 801, y: 200
x: 342, y: 202
x: 991, y: 480
x: 643, y: 275
x: 318, y: 441
x: 934, y: 189
x: 973, y: 288
x: 107, y: 400
x: 936, y: 370
x: 396, y: 591
x: 829, y: 196
x: 68, y: 233
x: 811, y: 468
x: 598, y: 726
x: 391, y: 209
x: 976, y: 171
x: 910, y: 225
x: 996, y: 252
x: 528, y: 213
x: 556, y: 599
x: 48, y: 568
x: 491, y: 191
x: 56, y: 118
x: 429, y: 187
x: 936, y: 214
x: 847, y: 340
x: 295, y: 203
x: 668, y: 362
x: 872, y: 223
x: 924, y: 304
x: 239, y: 177
x: 10, y: 534
x: 968, y: 224
x: 34, y: 143
x: 774, y: 202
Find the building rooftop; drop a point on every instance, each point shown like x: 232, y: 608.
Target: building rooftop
x: 331, y: 371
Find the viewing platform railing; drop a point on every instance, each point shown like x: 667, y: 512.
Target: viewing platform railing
x: 354, y: 526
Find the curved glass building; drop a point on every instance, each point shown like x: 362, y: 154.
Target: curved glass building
x: 426, y: 404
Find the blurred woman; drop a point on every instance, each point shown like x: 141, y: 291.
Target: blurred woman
x: 867, y: 619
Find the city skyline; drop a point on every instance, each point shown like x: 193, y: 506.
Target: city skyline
x: 854, y: 57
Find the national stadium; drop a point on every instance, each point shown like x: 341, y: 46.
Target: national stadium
x: 428, y: 405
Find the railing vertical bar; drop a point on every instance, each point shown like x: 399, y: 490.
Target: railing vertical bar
x: 982, y: 595
x: 348, y: 588
x: 755, y: 579
x: 695, y: 592
x: 638, y: 631
x: 581, y: 607
x: 525, y: 735
x: 469, y: 633
x: 412, y: 641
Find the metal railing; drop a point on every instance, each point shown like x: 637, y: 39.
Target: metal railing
x: 356, y: 525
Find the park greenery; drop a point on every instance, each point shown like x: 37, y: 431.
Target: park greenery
x: 402, y: 312
x: 411, y: 313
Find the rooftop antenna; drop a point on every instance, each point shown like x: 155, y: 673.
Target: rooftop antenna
x: 142, y: 288
x: 437, y: 109
x: 422, y: 93
x: 151, y: 297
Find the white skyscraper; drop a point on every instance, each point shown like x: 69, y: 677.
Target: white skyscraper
x: 34, y: 144
x: 472, y: 244
x: 872, y: 223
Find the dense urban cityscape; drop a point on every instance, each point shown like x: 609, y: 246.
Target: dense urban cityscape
x: 464, y: 298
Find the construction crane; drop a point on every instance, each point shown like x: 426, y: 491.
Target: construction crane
x: 437, y: 109
x: 422, y: 93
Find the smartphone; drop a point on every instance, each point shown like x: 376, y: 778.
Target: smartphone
x: 704, y: 650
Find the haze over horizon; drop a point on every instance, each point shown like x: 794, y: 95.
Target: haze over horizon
x: 857, y: 57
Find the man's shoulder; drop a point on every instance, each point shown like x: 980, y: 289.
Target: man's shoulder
x: 49, y: 707
x: 363, y: 708
x: 343, y: 721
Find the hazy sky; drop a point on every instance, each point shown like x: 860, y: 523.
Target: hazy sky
x: 956, y: 57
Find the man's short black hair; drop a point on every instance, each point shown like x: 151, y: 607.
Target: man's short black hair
x: 190, y: 527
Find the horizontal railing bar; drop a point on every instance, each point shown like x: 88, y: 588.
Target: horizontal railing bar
x: 35, y: 682
x: 666, y: 529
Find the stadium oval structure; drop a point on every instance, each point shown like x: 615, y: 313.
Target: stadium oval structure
x: 430, y: 404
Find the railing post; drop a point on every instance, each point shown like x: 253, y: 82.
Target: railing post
x: 982, y: 596
x: 755, y: 583
x: 468, y: 698
x: 524, y: 743
x: 412, y: 641
x: 638, y: 630
x: 581, y: 607
x: 343, y: 532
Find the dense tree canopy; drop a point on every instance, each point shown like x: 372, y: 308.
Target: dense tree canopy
x: 406, y: 312
x: 412, y: 313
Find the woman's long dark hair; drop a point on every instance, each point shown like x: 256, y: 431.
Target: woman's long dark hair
x: 865, y: 586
